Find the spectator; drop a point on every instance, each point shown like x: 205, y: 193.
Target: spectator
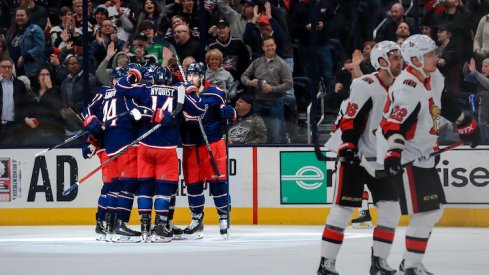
x: 270, y: 78
x: 249, y: 127
x: 38, y: 14
x: 3, y: 48
x: 236, y: 57
x: 73, y: 94
x: 14, y: 104
x: 262, y: 26
x: 138, y: 53
x: 449, y: 60
x: 388, y: 30
x: 104, y: 71
x: 184, y: 44
x: 123, y: 18
x: 102, y: 39
x: 26, y: 44
x: 153, y: 13
x: 66, y: 30
x: 46, y: 111
x: 237, y: 21
x: 78, y: 14
x: 341, y: 88
x: 403, y: 31
x: 156, y: 44
x: 217, y: 75
x: 458, y: 18
x: 482, y: 80
x: 481, y: 40
x: 101, y: 13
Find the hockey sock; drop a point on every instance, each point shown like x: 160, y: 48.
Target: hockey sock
x: 125, y: 199
x: 111, y: 198
x: 417, y: 235
x: 389, y: 213
x: 333, y: 235
x: 102, y: 201
x: 162, y: 200
x: 196, y: 199
x: 146, y: 192
x: 173, y: 201
x: 365, y: 201
x: 220, y: 195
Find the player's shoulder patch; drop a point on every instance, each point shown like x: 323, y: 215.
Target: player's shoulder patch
x: 368, y: 79
x: 410, y: 82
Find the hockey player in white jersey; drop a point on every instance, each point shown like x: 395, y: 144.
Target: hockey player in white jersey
x: 357, y: 127
x: 408, y: 130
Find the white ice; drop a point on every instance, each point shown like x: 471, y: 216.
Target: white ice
x: 252, y: 250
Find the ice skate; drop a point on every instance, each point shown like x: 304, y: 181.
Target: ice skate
x: 379, y: 266
x: 145, y: 227
x: 123, y: 234
x: 162, y: 233
x: 100, y: 229
x: 363, y: 220
x: 327, y: 267
x: 196, y: 229
x: 223, y: 229
x: 417, y: 269
x: 177, y: 231
x: 110, y: 225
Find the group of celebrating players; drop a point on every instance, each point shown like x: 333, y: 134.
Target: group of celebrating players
x: 392, y: 117
x: 135, y: 127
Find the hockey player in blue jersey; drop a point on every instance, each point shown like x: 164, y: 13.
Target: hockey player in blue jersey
x: 93, y: 115
x: 197, y: 164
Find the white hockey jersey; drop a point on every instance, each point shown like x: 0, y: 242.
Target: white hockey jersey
x: 363, y: 114
x: 413, y: 110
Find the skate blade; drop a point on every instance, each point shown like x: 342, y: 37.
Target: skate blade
x: 178, y: 237
x: 195, y: 236
x: 126, y: 239
x: 225, y: 236
x: 362, y: 225
x: 108, y: 237
x: 160, y: 239
x: 101, y: 237
x: 145, y: 238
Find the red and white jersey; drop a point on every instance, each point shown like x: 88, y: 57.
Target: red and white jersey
x: 413, y: 110
x: 363, y: 114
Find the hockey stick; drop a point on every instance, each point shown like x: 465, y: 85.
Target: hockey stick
x: 201, y: 126
x: 70, y: 139
x: 379, y: 174
x: 105, y: 163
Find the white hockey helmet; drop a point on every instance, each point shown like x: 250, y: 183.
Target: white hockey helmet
x: 382, y: 50
x: 417, y: 46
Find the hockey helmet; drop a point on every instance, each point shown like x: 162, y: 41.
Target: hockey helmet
x: 149, y: 73
x: 382, y: 50
x: 118, y: 73
x: 417, y: 46
x: 163, y: 76
x: 196, y: 68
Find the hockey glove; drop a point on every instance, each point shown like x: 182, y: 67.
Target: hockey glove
x: 468, y: 130
x: 163, y: 117
x: 93, y: 125
x: 347, y: 153
x: 191, y: 89
x: 228, y: 114
x: 392, y: 162
x: 88, y: 150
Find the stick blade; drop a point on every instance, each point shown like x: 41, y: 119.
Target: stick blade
x: 72, y: 187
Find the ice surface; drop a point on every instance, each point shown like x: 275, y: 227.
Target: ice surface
x: 252, y: 250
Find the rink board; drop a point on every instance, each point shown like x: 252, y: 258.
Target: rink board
x: 268, y: 185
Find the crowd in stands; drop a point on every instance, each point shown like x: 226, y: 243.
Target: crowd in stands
x: 255, y: 50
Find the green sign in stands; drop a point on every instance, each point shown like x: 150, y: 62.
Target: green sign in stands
x: 303, y: 178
